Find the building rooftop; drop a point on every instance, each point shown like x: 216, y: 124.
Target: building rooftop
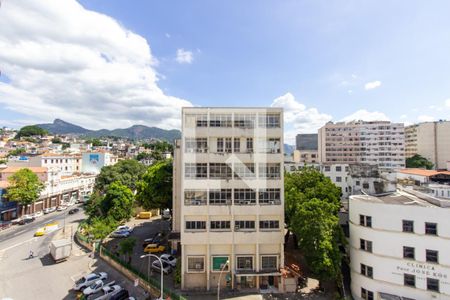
x: 15, y: 169
x: 423, y: 172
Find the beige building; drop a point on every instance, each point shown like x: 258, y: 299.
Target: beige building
x: 230, y: 206
x: 431, y: 140
x: 380, y: 143
x: 305, y: 156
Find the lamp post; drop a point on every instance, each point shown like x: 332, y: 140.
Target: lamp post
x: 161, y: 267
x: 220, y: 275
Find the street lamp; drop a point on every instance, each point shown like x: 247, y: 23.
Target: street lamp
x: 220, y: 275
x: 161, y: 267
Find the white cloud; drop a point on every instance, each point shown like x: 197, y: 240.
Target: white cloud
x: 403, y: 117
x: 184, y: 56
x: 425, y: 118
x: 298, y: 118
x: 64, y: 61
x: 372, y: 85
x: 365, y: 115
x: 447, y: 102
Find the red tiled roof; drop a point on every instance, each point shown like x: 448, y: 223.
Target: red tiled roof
x: 33, y: 169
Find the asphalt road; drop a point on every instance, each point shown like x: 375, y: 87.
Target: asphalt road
x: 40, y: 277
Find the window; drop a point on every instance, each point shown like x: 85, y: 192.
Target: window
x: 228, y: 145
x: 433, y: 285
x: 220, y: 120
x: 338, y: 179
x: 201, y: 120
x: 192, y: 170
x: 269, y: 263
x: 244, y: 263
x: 219, y: 171
x: 220, y: 145
x: 220, y: 225
x: 432, y: 256
x: 196, y: 225
x: 327, y: 168
x: 196, y: 263
x: 365, y: 220
x: 409, y: 280
x: 219, y: 263
x: 358, y: 183
x: 431, y: 228
x: 365, y: 185
x: 338, y: 168
x: 408, y: 252
x: 244, y: 225
x: 196, y: 145
x: 246, y: 171
x: 195, y: 197
x: 270, y: 145
x: 244, y: 120
x: 249, y: 145
x: 237, y: 145
x: 269, y: 224
x: 408, y: 226
x: 366, y: 295
x: 220, y: 197
x: 269, y: 196
x: 244, y: 196
x: 366, y: 271
x: 271, y: 171
x: 269, y: 120
x: 365, y: 245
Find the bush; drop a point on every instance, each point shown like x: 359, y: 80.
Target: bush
x: 178, y: 271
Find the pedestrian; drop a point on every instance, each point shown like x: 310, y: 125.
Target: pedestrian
x: 31, y: 254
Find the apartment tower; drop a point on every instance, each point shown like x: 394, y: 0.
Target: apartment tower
x: 230, y: 198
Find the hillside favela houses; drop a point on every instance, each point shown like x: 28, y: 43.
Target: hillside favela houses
x: 228, y: 198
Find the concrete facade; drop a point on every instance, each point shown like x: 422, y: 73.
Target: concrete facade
x: 231, y: 198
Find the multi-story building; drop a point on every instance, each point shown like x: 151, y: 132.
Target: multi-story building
x: 94, y: 161
x: 430, y: 140
x: 306, y: 141
x: 399, y: 245
x: 230, y: 201
x: 376, y: 142
x: 66, y: 164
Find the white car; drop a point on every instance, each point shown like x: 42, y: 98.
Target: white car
x: 109, y: 291
x: 166, y: 267
x: 61, y: 208
x: 89, y: 279
x: 172, y: 261
x: 125, y: 228
x: 120, y: 234
x: 49, y: 210
x: 96, y: 287
x: 38, y: 214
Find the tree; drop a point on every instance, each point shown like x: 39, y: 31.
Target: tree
x: 25, y: 187
x: 100, y: 227
x: 128, y: 172
x: 312, y: 204
x: 126, y: 247
x: 56, y: 140
x: 16, y: 152
x: 31, y: 130
x: 118, y: 202
x: 418, y: 161
x: 155, y: 188
x: 94, y: 142
x: 143, y: 155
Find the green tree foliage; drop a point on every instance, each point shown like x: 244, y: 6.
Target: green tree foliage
x: 418, y: 161
x: 155, y: 188
x: 31, y: 130
x: 143, y: 155
x: 128, y: 172
x: 25, y: 187
x: 312, y: 204
x: 56, y: 140
x: 16, y: 152
x: 126, y: 247
x: 94, y: 142
x: 99, y: 227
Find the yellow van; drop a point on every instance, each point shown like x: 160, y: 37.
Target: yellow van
x: 144, y: 215
x: 46, y: 229
x: 154, y: 248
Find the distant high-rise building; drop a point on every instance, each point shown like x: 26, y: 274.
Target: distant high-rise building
x: 430, y: 140
x: 375, y: 142
x: 306, y: 141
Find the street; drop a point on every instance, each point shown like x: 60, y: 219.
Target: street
x: 40, y: 277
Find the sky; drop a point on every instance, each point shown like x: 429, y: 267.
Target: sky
x: 116, y: 63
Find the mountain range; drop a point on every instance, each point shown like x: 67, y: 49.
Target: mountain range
x: 134, y: 132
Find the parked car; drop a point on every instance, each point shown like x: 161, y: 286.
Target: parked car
x: 120, y: 234
x: 73, y: 211
x: 108, y: 291
x: 171, y: 260
x: 38, y: 214
x: 125, y: 228
x: 144, y: 215
x: 49, y: 210
x: 157, y: 267
x: 96, y: 287
x: 26, y: 219
x: 166, y: 214
x: 61, y: 208
x: 154, y: 248
x: 156, y: 239
x: 87, y: 280
x: 121, y: 295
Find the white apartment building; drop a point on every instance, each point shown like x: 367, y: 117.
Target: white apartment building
x: 94, y: 161
x: 230, y: 201
x: 399, y: 247
x: 376, y: 142
x: 66, y: 164
x: 431, y: 140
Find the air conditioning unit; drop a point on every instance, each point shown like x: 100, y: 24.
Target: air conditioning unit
x: 246, y: 202
x: 272, y: 202
x: 236, y: 227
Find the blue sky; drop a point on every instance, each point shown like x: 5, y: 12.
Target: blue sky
x: 325, y: 59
